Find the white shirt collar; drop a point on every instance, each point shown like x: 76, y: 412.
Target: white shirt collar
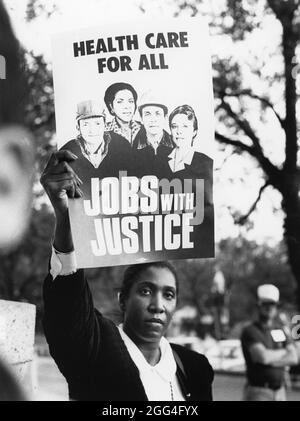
x: 178, y: 165
x: 165, y: 368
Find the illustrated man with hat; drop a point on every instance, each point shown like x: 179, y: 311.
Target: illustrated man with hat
x: 268, y: 350
x: 99, y: 153
x: 90, y: 120
x: 153, y: 143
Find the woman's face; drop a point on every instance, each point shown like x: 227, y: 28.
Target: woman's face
x: 150, y: 305
x: 92, y: 130
x: 123, y: 106
x: 182, y: 131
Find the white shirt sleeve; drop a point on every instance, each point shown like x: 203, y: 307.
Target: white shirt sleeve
x: 62, y: 264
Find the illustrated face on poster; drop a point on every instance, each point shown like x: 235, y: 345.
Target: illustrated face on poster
x: 183, y: 131
x: 123, y: 106
x: 134, y: 102
x: 153, y: 120
x: 92, y: 130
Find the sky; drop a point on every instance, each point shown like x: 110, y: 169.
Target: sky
x: 237, y: 179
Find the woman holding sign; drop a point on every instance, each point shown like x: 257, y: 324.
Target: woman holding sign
x: 100, y: 360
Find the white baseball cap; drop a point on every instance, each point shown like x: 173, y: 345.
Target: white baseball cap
x: 268, y: 292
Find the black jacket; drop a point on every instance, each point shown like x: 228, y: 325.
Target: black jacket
x: 119, y: 158
x: 151, y: 162
x: 202, y: 236
x: 91, y: 354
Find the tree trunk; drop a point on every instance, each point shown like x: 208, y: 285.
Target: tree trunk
x: 291, y: 207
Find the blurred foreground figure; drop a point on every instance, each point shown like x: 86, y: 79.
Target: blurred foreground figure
x: 16, y: 167
x: 16, y: 150
x: 268, y: 350
x: 10, y: 390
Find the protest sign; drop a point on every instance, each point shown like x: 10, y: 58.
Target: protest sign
x: 134, y: 102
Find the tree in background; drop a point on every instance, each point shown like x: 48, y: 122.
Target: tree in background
x: 246, y: 265
x: 243, y: 113
x: 235, y: 106
x: 284, y: 177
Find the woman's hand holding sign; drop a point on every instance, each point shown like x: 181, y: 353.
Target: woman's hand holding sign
x: 60, y: 182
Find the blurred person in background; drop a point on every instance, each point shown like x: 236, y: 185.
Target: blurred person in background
x: 16, y: 168
x: 268, y: 350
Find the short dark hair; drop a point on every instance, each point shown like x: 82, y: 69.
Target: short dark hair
x: 133, y: 273
x: 113, y: 89
x: 188, y: 111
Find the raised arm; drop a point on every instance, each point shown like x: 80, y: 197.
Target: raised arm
x: 61, y: 182
x: 70, y: 321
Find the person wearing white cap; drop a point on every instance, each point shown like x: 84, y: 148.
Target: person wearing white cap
x: 99, y: 153
x: 268, y: 350
x: 153, y: 143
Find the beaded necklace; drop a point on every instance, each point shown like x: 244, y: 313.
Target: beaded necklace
x: 172, y: 393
